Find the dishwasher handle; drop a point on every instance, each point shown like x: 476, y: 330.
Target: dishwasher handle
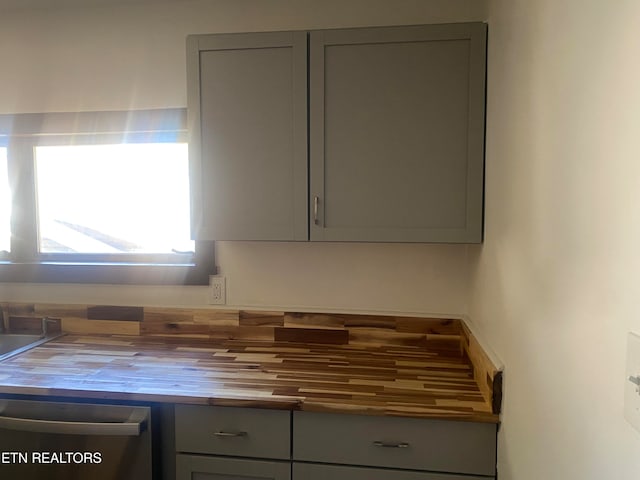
x: 132, y: 427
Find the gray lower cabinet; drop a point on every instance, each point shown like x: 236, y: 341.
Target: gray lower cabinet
x: 365, y: 134
x: 191, y: 467
x: 437, y: 446
x: 307, y: 471
x: 229, y: 443
x: 241, y: 432
x: 233, y: 443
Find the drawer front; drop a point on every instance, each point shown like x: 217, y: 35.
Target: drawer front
x: 306, y: 471
x: 244, y: 432
x: 190, y: 467
x: 405, y: 443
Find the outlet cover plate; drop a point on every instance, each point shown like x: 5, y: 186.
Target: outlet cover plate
x: 631, y: 389
x: 217, y: 290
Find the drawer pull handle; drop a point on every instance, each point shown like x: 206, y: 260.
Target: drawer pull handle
x: 391, y: 444
x: 315, y: 209
x: 230, y: 434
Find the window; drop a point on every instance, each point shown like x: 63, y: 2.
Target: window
x: 98, y: 197
x: 135, y: 198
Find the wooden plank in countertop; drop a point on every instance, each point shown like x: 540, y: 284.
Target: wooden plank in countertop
x: 113, y: 312
x: 380, y: 337
x: 313, y: 320
x: 437, y: 326
x: 197, y: 315
x: 19, y: 309
x: 380, y: 322
x: 76, y: 312
x: 172, y: 325
x: 189, y: 321
x: 261, y: 319
x: 99, y: 327
x: 311, y: 335
x: 31, y: 325
x: 259, y: 333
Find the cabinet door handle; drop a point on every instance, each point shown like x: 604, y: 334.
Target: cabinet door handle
x: 391, y: 444
x: 315, y: 209
x: 230, y: 434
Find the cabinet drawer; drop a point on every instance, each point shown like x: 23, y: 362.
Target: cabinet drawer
x: 190, y: 467
x: 244, y: 432
x: 405, y: 443
x: 306, y: 471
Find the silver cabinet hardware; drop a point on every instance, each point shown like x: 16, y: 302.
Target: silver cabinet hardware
x: 315, y: 209
x: 391, y: 444
x: 230, y: 434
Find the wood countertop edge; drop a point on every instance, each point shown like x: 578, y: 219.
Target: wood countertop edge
x: 292, y: 404
x: 391, y: 412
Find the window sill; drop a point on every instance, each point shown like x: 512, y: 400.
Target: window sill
x: 105, y: 273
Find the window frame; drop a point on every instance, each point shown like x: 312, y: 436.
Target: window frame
x: 22, y: 133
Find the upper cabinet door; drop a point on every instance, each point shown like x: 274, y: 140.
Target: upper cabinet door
x: 397, y: 133
x: 247, y: 103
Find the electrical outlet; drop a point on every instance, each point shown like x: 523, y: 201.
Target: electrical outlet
x: 632, y: 382
x: 217, y: 292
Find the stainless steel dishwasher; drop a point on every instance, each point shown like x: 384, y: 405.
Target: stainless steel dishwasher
x: 74, y: 441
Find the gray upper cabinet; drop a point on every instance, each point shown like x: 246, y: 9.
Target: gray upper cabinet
x: 397, y: 133
x: 247, y: 104
x: 395, y: 151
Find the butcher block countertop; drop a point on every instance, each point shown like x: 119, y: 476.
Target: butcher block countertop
x: 367, y: 378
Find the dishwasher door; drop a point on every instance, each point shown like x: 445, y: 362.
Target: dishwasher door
x: 74, y: 441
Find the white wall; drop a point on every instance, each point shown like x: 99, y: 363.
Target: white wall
x: 119, y: 57
x: 555, y: 286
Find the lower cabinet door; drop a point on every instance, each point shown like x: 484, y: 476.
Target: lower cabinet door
x: 308, y: 471
x: 196, y: 467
